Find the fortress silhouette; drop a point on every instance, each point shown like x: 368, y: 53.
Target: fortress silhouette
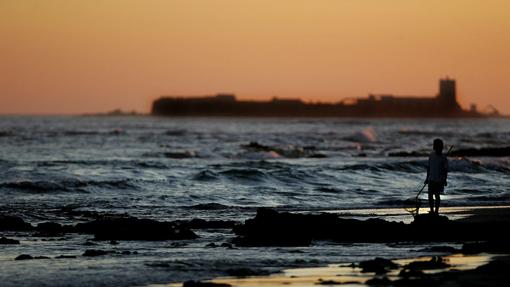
x: 443, y: 105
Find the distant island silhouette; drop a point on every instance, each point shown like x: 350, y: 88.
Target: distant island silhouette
x: 443, y: 105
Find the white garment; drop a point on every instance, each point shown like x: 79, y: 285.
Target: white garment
x: 438, y: 167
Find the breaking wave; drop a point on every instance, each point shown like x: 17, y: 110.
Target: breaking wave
x: 455, y: 165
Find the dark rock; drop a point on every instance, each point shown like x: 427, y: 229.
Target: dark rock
x: 272, y: 228
x: 384, y: 281
x: 126, y: 252
x: 180, y: 154
x: 52, y: 229
x: 114, y: 242
x: 212, y: 245
x: 13, y: 223
x: 5, y: 240
x: 436, y: 262
x: 494, y: 273
x: 29, y: 257
x: 94, y: 252
x: 317, y: 155
x: 377, y: 265
x: 227, y: 245
x: 495, y: 246
x: 49, y: 227
x: 130, y: 228
x: 497, y: 267
x: 245, y: 272
x: 410, y: 273
x: 487, y: 151
x: 430, y: 219
x: 89, y: 243
x: 24, y: 257
x: 192, y: 283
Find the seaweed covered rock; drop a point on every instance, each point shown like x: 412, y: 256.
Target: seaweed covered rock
x: 436, y: 262
x: 5, y: 240
x: 378, y: 265
x: 500, y: 246
x: 430, y: 219
x: 130, y: 228
x: 52, y: 229
x: 272, y: 228
x: 13, y: 223
x: 29, y: 257
x: 485, y: 151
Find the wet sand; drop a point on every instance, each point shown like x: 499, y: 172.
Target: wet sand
x: 346, y: 274
x: 477, y: 269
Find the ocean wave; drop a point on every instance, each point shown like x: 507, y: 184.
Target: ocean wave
x: 328, y: 189
x: 244, y: 174
x: 79, y: 133
x: 66, y: 185
x: 465, y: 165
x: 428, y: 133
x: 463, y: 152
x: 260, y: 155
x: 259, y: 164
x: 256, y: 150
x: 42, y: 186
x: 366, y: 135
x: 181, y: 154
x: 176, y: 154
x: 209, y: 206
x: 176, y: 132
x: 409, y: 154
x: 404, y: 166
x: 494, y: 198
x: 206, y: 175
x: 6, y: 134
x: 97, y: 162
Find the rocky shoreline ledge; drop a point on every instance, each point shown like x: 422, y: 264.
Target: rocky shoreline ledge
x: 272, y: 228
x: 480, y: 233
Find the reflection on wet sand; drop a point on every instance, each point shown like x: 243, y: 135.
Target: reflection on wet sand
x: 345, y: 274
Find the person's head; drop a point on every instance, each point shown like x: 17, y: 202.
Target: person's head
x: 438, y: 146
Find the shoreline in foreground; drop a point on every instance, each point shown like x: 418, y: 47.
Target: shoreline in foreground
x: 101, y: 228
x: 475, y: 264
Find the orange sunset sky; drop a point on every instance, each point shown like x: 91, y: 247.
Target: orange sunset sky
x: 69, y: 56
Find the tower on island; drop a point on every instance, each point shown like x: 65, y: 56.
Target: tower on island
x: 448, y: 94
